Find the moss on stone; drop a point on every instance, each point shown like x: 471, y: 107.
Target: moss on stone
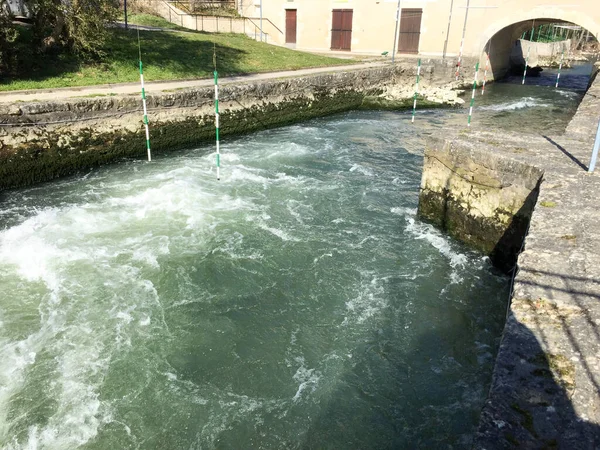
x: 527, y: 419
x: 45, y: 159
x: 568, y: 237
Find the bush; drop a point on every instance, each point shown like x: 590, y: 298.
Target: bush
x: 8, y: 35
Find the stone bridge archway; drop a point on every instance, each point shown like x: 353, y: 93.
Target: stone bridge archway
x: 502, y: 34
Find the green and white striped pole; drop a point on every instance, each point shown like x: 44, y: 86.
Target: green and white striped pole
x: 218, y: 155
x: 416, y: 90
x: 462, y: 42
x: 562, y: 56
x: 145, y: 119
x: 473, y: 95
x: 526, y: 62
x: 487, y: 65
x: 145, y: 112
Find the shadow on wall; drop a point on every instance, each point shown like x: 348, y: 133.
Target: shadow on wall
x: 509, y: 246
x: 529, y: 405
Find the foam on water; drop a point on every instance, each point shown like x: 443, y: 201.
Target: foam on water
x: 526, y: 102
x: 426, y: 232
x: 362, y: 169
x: 308, y: 379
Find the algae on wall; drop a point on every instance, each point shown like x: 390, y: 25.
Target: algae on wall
x: 40, y: 141
x: 479, y: 198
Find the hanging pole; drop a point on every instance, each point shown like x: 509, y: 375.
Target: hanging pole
x: 595, y: 151
x: 526, y: 62
x: 487, y: 64
x: 448, y: 31
x: 396, y: 31
x: 416, y: 91
x: 473, y: 94
x: 145, y: 119
x: 218, y: 155
x: 528, y: 52
x: 462, y: 41
x: 562, y: 56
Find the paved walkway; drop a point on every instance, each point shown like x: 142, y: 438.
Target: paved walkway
x: 158, y: 86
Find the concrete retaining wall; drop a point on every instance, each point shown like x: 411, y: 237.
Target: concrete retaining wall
x: 40, y: 141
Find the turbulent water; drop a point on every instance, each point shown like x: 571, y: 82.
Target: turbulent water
x: 296, y: 303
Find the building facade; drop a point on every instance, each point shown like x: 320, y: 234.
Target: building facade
x: 426, y: 27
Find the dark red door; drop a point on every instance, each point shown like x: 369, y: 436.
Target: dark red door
x: 341, y: 29
x: 290, y: 26
x: 410, y: 30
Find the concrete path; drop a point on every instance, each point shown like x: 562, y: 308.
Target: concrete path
x: 158, y: 86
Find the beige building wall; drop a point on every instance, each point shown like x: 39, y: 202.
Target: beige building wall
x: 374, y: 21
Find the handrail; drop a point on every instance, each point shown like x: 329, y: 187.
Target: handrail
x: 264, y: 20
x: 181, y: 14
x: 251, y: 19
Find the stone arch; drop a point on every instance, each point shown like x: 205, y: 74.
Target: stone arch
x: 506, y: 30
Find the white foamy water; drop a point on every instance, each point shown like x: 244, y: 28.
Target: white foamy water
x: 526, y: 102
x: 150, y: 305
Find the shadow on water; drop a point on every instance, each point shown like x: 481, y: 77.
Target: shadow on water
x: 426, y: 393
x: 529, y: 405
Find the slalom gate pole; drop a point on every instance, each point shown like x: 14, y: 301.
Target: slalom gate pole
x: 528, y: 51
x: 416, y: 91
x: 462, y: 41
x: 398, y: 10
x: 473, y: 95
x: 487, y: 65
x: 145, y: 119
x: 218, y: 155
x: 562, y: 57
x: 526, y: 62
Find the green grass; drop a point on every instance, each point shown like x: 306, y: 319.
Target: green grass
x: 166, y: 56
x: 149, y: 20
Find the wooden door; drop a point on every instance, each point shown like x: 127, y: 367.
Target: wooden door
x: 410, y: 30
x: 341, y: 29
x: 290, y: 26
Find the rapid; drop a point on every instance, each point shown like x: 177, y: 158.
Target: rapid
x: 296, y: 303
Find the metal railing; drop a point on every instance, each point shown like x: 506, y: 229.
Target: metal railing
x: 198, y: 6
x: 218, y: 23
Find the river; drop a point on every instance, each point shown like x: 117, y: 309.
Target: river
x: 297, y: 303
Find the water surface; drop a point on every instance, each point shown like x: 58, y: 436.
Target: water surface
x: 296, y: 303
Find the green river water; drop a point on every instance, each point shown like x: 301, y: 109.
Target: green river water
x: 296, y: 303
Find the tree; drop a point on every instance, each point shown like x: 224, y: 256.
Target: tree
x: 77, y: 25
x: 8, y: 35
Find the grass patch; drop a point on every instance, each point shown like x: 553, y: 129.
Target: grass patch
x: 149, y: 20
x: 548, y: 204
x: 166, y: 56
x: 569, y: 237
